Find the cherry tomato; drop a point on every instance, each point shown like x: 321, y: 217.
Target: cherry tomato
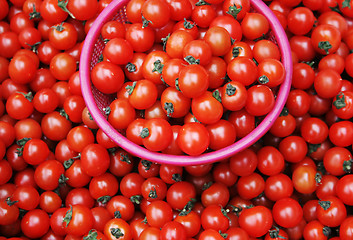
x: 256, y: 221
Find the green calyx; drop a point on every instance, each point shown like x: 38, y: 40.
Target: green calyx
x: 169, y: 107
x: 130, y: 67
x: 92, y: 235
x: 346, y: 4
x: 230, y: 89
x: 59, y: 27
x: 145, y: 133
x: 68, y: 217
x: 145, y: 22
x: 325, y: 45
x: 130, y: 88
x: 340, y: 101
x: 191, y: 60
x: 236, y: 51
x: 34, y: 14
x: 263, y: 79
x: 63, y: 179
x: 21, y: 143
x: 217, y: 95
x: 117, y: 214
x: 164, y: 41
x: 158, y: 66
x: 136, y: 199
x: 201, y: 3
x: 324, y: 204
x: 104, y: 199
x: 116, y: 232
x: 125, y: 158
x: 234, y: 10
x: 63, y: 5
x: 153, y: 193
x: 147, y: 164
x: 188, y: 207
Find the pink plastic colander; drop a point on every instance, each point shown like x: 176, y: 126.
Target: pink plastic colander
x: 96, y: 101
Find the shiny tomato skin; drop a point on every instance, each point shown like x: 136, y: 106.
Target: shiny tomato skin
x: 256, y: 221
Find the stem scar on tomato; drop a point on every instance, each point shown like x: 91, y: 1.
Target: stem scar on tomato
x: 9, y: 202
x: 158, y: 66
x: 153, y: 193
x: 217, y: 95
x: 263, y: 79
x: 347, y: 166
x: 346, y: 3
x: 104, y: 199
x: 130, y: 67
x: 326, y: 231
x: 191, y: 60
x: 236, y: 51
x: 116, y: 232
x: 145, y: 133
x: 188, y: 207
x: 92, y: 235
x: 68, y: 216
x: 136, y: 199
x: 63, y: 5
x: 34, y: 14
x: 130, y: 88
x: 324, y: 204
x: 117, y: 214
x: 340, y: 101
x: 63, y: 179
x: 188, y: 25
x: 234, y: 10
x: 169, y: 107
x: 230, y: 89
x: 325, y: 45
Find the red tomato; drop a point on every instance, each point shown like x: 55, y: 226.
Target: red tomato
x: 314, y: 130
x: 287, y: 212
x: 35, y: 223
x: 346, y: 229
x: 278, y: 186
x: 156, y: 134
x: 260, y: 100
x: 342, y: 105
x: 250, y: 186
x: 173, y: 231
x: 256, y: 221
x: 193, y: 138
x: 212, y: 217
x: 305, y: 179
x: 158, y: 213
x: 325, y: 39
x: 331, y: 211
x: 119, y: 51
x: 107, y: 77
x: 218, y: 39
x: 156, y: 13
x: 121, y: 113
x: 316, y: 230
x: 95, y: 159
x: 222, y: 134
x: 193, y: 80
x: 206, y: 108
x: 254, y: 25
x: 143, y: 94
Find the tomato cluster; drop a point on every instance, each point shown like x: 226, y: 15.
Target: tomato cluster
x: 180, y: 80
x: 61, y: 177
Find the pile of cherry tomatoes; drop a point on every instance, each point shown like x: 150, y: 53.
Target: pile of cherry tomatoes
x: 61, y: 177
x: 185, y: 87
